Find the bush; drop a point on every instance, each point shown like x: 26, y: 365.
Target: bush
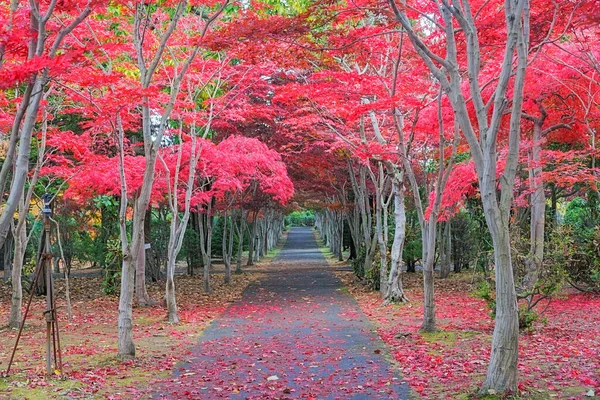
x: 487, y: 292
x: 300, y: 218
x: 358, y: 264
x: 583, y: 265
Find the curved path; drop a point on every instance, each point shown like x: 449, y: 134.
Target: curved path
x: 295, y: 334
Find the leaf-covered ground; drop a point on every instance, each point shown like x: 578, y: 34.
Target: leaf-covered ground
x: 559, y: 359
x: 295, y: 334
x: 89, y: 340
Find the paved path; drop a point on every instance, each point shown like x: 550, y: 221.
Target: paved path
x: 293, y: 335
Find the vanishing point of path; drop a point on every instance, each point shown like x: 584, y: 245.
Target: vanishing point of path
x: 295, y: 334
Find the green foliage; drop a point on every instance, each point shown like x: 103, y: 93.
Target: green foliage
x: 300, y: 218
x: 217, y: 238
x: 487, y: 292
x: 358, y: 264
x: 527, y: 317
x: 465, y: 240
x: 413, y: 247
x: 106, y: 226
x: 288, y: 8
x: 372, y: 275
x: 190, y: 250
x: 583, y: 264
x: 112, y: 267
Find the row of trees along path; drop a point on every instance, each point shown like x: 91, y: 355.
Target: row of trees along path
x: 208, y: 110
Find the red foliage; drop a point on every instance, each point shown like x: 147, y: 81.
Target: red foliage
x: 560, y: 357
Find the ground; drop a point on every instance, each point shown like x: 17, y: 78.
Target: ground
x: 89, y: 340
x: 291, y: 329
x: 560, y: 358
x: 294, y: 334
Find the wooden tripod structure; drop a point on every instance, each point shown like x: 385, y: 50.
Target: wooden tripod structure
x: 44, y: 267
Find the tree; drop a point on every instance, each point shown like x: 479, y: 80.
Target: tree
x: 46, y: 56
x: 502, y: 372
x: 143, y: 28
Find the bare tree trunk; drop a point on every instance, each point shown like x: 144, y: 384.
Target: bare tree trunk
x: 241, y: 229
x: 20, y: 239
x: 227, y: 245
x: 125, y: 320
x: 206, y: 246
x: 141, y: 292
x: 533, y: 262
x: 20, y: 230
x: 22, y: 162
x: 428, y: 237
x: 395, y: 292
x: 8, y: 256
x: 445, y: 251
x: 252, y: 243
x: 126, y: 347
x: 502, y: 370
x: 341, y: 234
x: 381, y: 227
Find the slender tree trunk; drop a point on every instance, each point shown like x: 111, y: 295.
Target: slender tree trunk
x: 395, y: 292
x: 170, y: 299
x: 445, y: 250
x: 20, y: 240
x: 227, y: 246
x: 206, y: 247
x: 379, y: 205
x: 341, y: 234
x: 502, y: 370
x: 533, y: 262
x: 141, y: 292
x: 252, y: 240
x: 241, y: 229
x: 21, y: 168
x: 428, y: 263
x: 125, y: 322
x: 8, y: 257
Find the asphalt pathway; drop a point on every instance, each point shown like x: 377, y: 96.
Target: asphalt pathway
x: 295, y: 334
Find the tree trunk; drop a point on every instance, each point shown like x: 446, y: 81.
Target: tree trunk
x: 429, y: 324
x: 533, y: 262
x: 502, y: 370
x: 8, y: 257
x: 206, y: 246
x: 20, y: 241
x: 252, y: 242
x: 379, y: 228
x: 395, y: 292
x: 170, y: 299
x: 429, y: 231
x: 125, y: 322
x: 241, y: 229
x: 227, y: 245
x: 445, y: 251
x: 141, y: 292
x: 341, y: 236
x: 21, y: 168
